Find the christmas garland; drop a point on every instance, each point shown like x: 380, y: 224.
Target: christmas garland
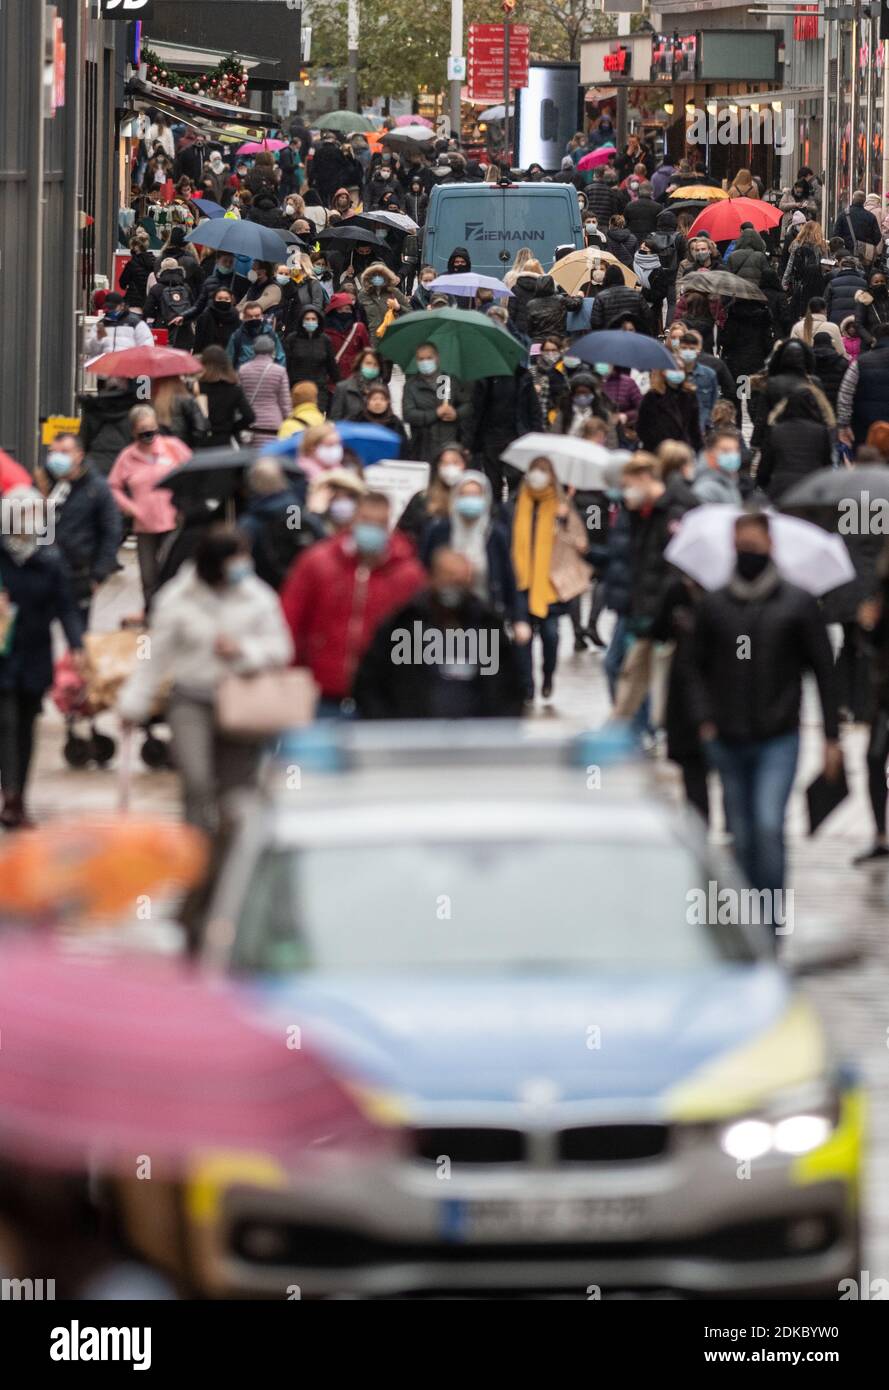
x: 227, y: 82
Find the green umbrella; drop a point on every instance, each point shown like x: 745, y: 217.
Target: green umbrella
x: 469, y: 345
x: 345, y: 122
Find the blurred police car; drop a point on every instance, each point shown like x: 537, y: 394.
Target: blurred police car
x: 488, y: 928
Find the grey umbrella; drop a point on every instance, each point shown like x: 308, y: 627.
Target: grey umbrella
x: 831, y: 487
x: 719, y: 282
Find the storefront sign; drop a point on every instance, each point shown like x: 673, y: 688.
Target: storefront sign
x: 674, y: 57
x: 619, y: 62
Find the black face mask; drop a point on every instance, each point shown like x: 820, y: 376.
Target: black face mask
x: 222, y: 307
x: 253, y: 327
x: 750, y: 565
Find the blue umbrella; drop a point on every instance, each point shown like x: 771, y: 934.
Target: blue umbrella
x: 370, y: 442
x: 241, y: 238
x: 622, y: 349
x: 209, y: 208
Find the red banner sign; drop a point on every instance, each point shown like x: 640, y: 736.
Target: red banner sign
x: 617, y: 61
x: 805, y: 23
x: 485, y: 53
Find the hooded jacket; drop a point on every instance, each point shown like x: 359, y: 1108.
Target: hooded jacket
x: 523, y: 292
x: 310, y: 357
x: 348, y: 335
x: 156, y: 310
x: 334, y: 603
x: 265, y: 212
x: 830, y: 366
x: 134, y: 278
x: 374, y: 299
x: 749, y: 259
x: 215, y: 326
x: 105, y: 424
x: 459, y: 251
x: 547, y: 309
x: 129, y: 331
x: 621, y: 242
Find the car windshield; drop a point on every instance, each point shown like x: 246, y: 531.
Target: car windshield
x: 483, y: 905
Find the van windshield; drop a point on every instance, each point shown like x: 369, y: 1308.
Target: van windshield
x: 494, y: 224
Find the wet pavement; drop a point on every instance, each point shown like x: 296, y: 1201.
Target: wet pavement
x: 835, y: 905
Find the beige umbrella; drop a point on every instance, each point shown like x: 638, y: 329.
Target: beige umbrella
x: 574, y: 270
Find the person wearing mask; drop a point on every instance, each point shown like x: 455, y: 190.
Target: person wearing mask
x: 134, y: 276
x: 433, y: 503
x: 641, y: 213
x: 347, y: 335
x: 584, y: 400
x: 320, y: 451
x: 416, y: 200
x: 266, y: 389
x: 300, y: 289
x: 88, y: 528
x: 333, y: 500
x: 669, y: 410
x: 310, y: 355
x: 276, y: 525
x: 378, y: 411
x: 242, y: 343
x: 117, y: 329
x: 716, y: 479
x: 844, y: 284
x: 160, y: 134
x: 616, y: 302
x: 35, y: 589
x: 422, y: 294
x: 380, y: 299
x: 229, y: 413
x: 470, y: 530
x: 459, y: 262
x: 830, y: 367
x: 872, y: 309
x: 381, y: 182
x: 620, y: 241
x: 748, y: 712
x: 702, y: 312
x: 549, y: 379
x: 214, y: 619
x: 503, y: 408
x: 547, y: 309
x: 340, y: 592
x: 594, y: 237
x: 293, y: 174
x: 216, y: 174
x: 545, y: 526
x: 703, y: 378
x: 262, y: 289
x: 749, y: 259
x: 217, y: 323
x: 478, y: 679
x: 167, y: 303
x: 305, y: 414
x: 221, y: 277
x: 436, y: 406
x: 862, y: 396
x: 133, y: 482
x: 524, y: 288
x: 348, y: 398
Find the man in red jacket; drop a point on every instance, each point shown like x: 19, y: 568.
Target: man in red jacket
x: 338, y: 593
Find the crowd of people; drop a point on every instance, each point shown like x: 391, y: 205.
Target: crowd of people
x: 299, y: 558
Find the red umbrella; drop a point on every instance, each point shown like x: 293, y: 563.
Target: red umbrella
x: 146, y: 361
x: 722, y: 221
x: 116, y: 1058
x: 597, y: 157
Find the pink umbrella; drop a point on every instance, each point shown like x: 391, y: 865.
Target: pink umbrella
x: 257, y: 147
x: 414, y: 120
x: 113, y: 1058
x: 596, y: 157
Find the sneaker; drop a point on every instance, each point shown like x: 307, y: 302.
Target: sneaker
x: 547, y: 691
x: 876, y: 851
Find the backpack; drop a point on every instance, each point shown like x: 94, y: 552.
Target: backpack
x: 174, y: 300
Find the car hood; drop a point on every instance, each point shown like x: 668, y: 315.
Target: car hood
x: 609, y: 1037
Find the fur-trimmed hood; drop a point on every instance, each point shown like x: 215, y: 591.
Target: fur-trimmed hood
x: 378, y: 268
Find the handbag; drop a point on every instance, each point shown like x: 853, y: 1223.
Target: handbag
x: 569, y: 573
x: 264, y: 704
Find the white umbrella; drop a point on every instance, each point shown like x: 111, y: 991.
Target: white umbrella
x: 460, y: 281
x: 393, y: 219
x: 409, y: 136
x: 704, y: 549
x: 494, y: 113
x: 577, y: 462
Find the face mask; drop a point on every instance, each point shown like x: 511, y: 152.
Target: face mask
x: 427, y: 365
x: 450, y: 597
x: 702, y: 257
x: 614, y: 494
x: 634, y: 187
x: 459, y: 267
x: 688, y: 354
x: 331, y: 454
x: 750, y: 565
x: 550, y: 358
x: 253, y: 327
x: 592, y: 227
x: 289, y: 212
x: 675, y: 377
x: 427, y: 282
x: 538, y: 479
x: 730, y: 461
x: 370, y: 373
x: 238, y: 571
x: 634, y: 496
x: 385, y: 174
x: 253, y: 276
x: 342, y: 510
x: 603, y: 369
x: 282, y: 280
x: 310, y: 325
x: 470, y: 508
x: 377, y: 281
x: 224, y: 269
x: 321, y: 271
x: 598, y: 277
x: 450, y: 473
x: 59, y: 465
x: 583, y: 400
x: 222, y: 306
x: 571, y: 362
x: 370, y: 538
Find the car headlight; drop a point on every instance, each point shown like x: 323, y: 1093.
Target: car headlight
x: 791, y: 1125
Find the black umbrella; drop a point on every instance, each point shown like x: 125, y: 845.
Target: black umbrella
x: 829, y: 487
x: 214, y: 473
x: 350, y: 233
x: 694, y: 205
x: 377, y: 227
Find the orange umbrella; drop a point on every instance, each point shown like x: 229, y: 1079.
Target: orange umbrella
x: 700, y: 193
x: 96, y: 868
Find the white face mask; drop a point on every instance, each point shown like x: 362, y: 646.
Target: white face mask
x: 253, y: 276
x: 634, y: 496
x: 538, y: 479
x: 450, y: 473
x: 330, y: 454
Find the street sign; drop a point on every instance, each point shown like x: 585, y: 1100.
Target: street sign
x: 54, y: 425
x: 125, y: 9
x: 486, y: 54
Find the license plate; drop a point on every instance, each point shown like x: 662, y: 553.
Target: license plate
x: 569, y: 1219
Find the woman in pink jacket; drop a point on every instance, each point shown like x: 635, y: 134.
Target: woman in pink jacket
x: 133, y: 478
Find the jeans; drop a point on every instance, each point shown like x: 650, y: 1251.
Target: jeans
x: 611, y: 664
x: 757, y: 778
x: 547, y: 629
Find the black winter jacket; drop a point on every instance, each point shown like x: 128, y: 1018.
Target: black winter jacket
x: 641, y: 216
x: 429, y: 433
x: 105, y: 425
x: 503, y: 408
x: 229, y: 412
x: 523, y: 292
x: 310, y: 357
x: 842, y: 288
x: 547, y: 309
x: 214, y: 328
x: 672, y: 414
x: 134, y: 278
x: 41, y: 590
x: 618, y: 302
x: 760, y: 698
x: 89, y: 528
x: 793, y: 449
x: 649, y: 535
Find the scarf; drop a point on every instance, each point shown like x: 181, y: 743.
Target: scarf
x: 754, y: 590
x: 532, y: 547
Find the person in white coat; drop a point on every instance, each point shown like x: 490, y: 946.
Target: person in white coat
x: 215, y: 618
x: 119, y: 328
